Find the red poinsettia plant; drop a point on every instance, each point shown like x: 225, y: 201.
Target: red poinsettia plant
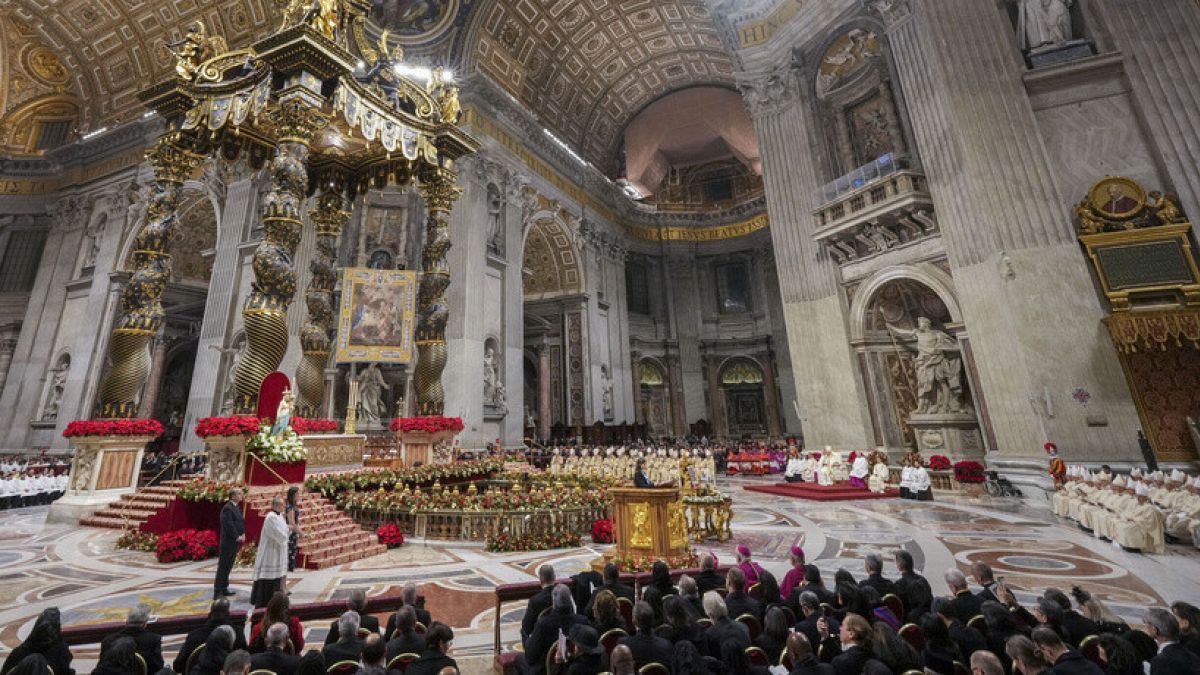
x: 187, y: 545
x: 303, y: 425
x: 939, y: 463
x: 969, y: 472
x: 235, y: 425
x: 602, y: 531
x: 431, y: 425
x: 390, y: 535
x: 113, y: 428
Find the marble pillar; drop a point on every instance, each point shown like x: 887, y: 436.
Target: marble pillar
x: 770, y: 393
x: 8, y: 343
x: 214, y: 357
x: 828, y: 388
x: 543, y: 354
x: 1034, y: 321
x: 158, y: 361
x: 676, y: 395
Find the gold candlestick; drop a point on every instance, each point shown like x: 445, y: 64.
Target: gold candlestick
x: 352, y: 408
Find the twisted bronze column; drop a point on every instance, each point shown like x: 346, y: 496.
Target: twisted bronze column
x: 440, y: 192
x: 141, y: 300
x: 328, y: 218
x: 274, y: 286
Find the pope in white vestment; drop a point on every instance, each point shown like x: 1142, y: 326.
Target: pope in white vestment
x: 270, y: 564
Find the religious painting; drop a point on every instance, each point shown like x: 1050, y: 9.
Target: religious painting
x: 411, y: 18
x: 845, y: 58
x: 376, y: 319
x: 1116, y: 197
x: 869, y: 130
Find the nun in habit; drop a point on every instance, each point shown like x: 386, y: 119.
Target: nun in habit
x: 271, y: 562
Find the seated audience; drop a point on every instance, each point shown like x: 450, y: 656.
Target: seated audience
x: 690, y: 592
x: 774, y: 635
x: 587, y: 655
x: 405, y: 638
x: 709, y: 579
x: 723, y: 628
x: 621, y: 661
x: 940, y: 651
x: 795, y: 575
x: 32, y: 664
x: 1075, y: 625
x: 276, y: 658
x: 968, y: 639
x: 1026, y: 658
x: 1119, y: 656
x: 985, y: 578
x: 349, y: 646
x: 1063, y: 660
x: 356, y: 602
x: 986, y: 663
x: 966, y: 604
x: 892, y: 650
x: 410, y: 598
x: 912, y: 588
x: 605, y: 613
x: 646, y: 646
x: 612, y: 583
x: 804, y: 661
x: 237, y: 663
x: 686, y: 660
x: 374, y: 652
x: 540, y: 600
x: 218, y: 615
x: 681, y: 626
x: 45, y: 639
x: 855, y: 636
x: 149, y: 644
x: 750, y: 569
x: 873, y: 564
x: 312, y: 663
x: 1188, y: 616
x: 561, y: 617
x: 736, y: 600
x: 660, y: 578
x: 437, y: 644
x: 811, y: 614
x: 217, y: 648
x: 1172, y: 657
x: 118, y: 658
x: 278, y: 611
x: 1093, y: 609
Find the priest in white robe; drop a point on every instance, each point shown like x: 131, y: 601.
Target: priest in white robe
x: 1142, y: 528
x: 879, y: 473
x: 270, y: 564
x: 859, y: 471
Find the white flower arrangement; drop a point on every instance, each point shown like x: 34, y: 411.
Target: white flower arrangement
x: 286, y: 448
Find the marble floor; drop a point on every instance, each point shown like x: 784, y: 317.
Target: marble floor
x: 79, y: 570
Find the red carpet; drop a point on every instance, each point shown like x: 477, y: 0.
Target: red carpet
x: 822, y: 493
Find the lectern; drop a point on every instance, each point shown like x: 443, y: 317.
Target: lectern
x: 649, y: 523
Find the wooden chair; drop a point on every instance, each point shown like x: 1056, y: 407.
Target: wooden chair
x: 625, y: 607
x: 789, y: 614
x: 785, y: 660
x: 654, y: 668
x: 755, y: 592
x: 363, y: 633
x: 912, y: 634
x: 979, y: 623
x: 263, y: 671
x: 343, y: 668
x: 1090, y: 648
x: 141, y: 664
x: 400, y: 661
x: 418, y: 628
x: 193, y: 658
x: 751, y: 622
x: 704, y: 622
x: 960, y: 669
x: 827, y: 609
x: 611, y: 639
x: 757, y: 657
x: 894, y: 603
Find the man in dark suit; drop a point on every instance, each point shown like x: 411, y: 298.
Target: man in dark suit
x: 276, y: 657
x: 540, y: 600
x: 736, y: 600
x: 358, y: 603
x: 233, y: 534
x: 405, y: 640
x: 1075, y: 625
x: 434, y: 660
x: 561, y: 617
x: 810, y: 610
x: 723, y: 628
x: 1063, y: 660
x: 874, y: 566
x: 804, y: 662
x: 411, y: 599
x: 645, y: 645
x: 984, y: 577
x: 149, y: 644
x: 218, y: 615
x: 912, y: 588
x: 966, y: 603
x: 1172, y: 657
x: 968, y: 639
x: 708, y: 579
x: 349, y: 646
x: 612, y: 582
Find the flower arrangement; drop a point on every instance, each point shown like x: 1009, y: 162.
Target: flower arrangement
x: 303, y: 425
x: 237, y: 425
x: 113, y: 428
x: 246, y: 555
x: 284, y: 448
x: 330, y: 484
x: 939, y: 463
x: 390, y: 501
x: 205, y: 490
x: 390, y: 535
x: 602, y: 531
x: 430, y: 425
x: 505, y: 542
x: 136, y: 540
x: 969, y: 472
x: 186, y: 545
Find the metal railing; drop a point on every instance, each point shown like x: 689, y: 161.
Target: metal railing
x: 885, y: 165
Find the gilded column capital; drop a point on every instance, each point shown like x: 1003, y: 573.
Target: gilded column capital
x: 892, y: 12
x: 769, y: 92
x: 440, y: 190
x: 171, y: 160
x: 329, y: 216
x: 296, y: 121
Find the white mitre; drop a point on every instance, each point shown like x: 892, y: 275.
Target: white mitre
x: 1141, y: 490
x: 1119, y: 481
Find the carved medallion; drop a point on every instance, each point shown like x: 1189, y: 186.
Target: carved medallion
x: 1117, y: 197
x: 45, y: 66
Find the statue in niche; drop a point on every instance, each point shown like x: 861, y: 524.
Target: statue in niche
x: 501, y: 399
x: 370, y: 395
x: 530, y: 418
x: 380, y: 260
x: 939, y: 368
x: 495, y: 220
x: 606, y: 392
x: 491, y: 375
x: 54, y: 394
x: 1043, y: 23
x: 94, y: 232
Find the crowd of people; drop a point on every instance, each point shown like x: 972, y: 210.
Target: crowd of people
x: 744, y: 622
x: 412, y: 642
x: 1139, y: 511
x: 31, y: 481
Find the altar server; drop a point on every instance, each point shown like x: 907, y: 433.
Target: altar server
x: 270, y: 565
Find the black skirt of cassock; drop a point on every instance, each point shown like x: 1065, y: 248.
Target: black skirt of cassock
x: 263, y: 589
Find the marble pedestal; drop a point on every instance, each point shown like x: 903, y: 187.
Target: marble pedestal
x: 226, y: 458
x: 955, y: 435
x: 103, y: 469
x: 1054, y: 54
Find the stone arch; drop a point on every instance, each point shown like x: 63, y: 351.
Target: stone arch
x: 925, y: 274
x: 742, y: 386
x: 654, y: 396
x: 197, y: 230
x: 549, y: 259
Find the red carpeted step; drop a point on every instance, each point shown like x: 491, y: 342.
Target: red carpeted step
x: 821, y: 493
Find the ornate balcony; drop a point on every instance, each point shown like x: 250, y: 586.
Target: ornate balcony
x: 876, y: 208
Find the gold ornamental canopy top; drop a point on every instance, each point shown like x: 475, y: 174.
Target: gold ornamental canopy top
x: 368, y: 118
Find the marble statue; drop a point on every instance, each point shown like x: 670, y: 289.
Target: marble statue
x: 530, y: 419
x: 283, y: 415
x: 1042, y: 23
x: 370, y: 394
x: 606, y: 392
x: 500, y: 400
x: 491, y: 375
x: 58, y: 381
x: 939, y: 368
x: 495, y: 220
